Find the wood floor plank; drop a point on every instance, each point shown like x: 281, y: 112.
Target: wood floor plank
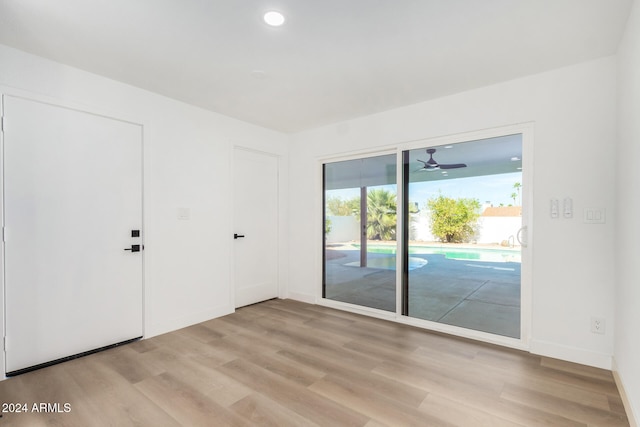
x: 279, y: 311
x: 554, y: 405
x: 407, y: 394
x: 182, y: 344
x: 262, y: 411
x: 221, y: 326
x: 209, y: 382
x: 363, y: 331
x: 441, y: 380
x: 129, y: 364
x: 444, y: 363
x: 374, y: 405
x: 584, y: 371
x: 460, y: 414
x: 596, y: 385
x: 186, y: 404
x: 35, y: 387
x: 263, y: 328
x: 571, y: 393
x: 518, y: 368
x: 299, y: 399
x: 287, y: 363
x: 202, y: 333
x: 290, y: 370
x: 616, y: 405
x: 142, y: 346
x: 246, y: 342
x: 107, y: 398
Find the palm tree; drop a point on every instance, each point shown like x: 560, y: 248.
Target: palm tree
x: 517, y: 186
x: 381, y: 215
x: 514, y: 196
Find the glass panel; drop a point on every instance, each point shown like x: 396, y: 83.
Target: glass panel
x: 360, y: 199
x: 464, y: 212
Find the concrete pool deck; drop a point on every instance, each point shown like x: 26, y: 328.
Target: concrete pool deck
x: 478, y: 295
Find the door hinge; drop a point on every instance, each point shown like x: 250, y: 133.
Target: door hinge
x: 4, y: 344
x: 1, y: 123
x: 4, y: 234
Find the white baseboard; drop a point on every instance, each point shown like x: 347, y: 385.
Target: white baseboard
x: 571, y: 354
x: 628, y: 408
x: 309, y: 299
x: 170, y: 325
x: 184, y: 321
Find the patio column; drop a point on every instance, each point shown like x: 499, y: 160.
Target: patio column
x: 363, y: 224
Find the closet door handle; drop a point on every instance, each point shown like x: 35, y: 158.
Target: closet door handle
x: 238, y: 236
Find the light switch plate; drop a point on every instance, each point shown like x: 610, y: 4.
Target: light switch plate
x: 567, y: 207
x: 595, y: 215
x: 554, y: 208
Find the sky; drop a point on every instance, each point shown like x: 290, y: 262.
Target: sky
x: 491, y: 189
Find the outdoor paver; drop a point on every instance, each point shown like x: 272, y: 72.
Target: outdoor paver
x: 498, y: 293
x: 478, y: 295
x: 480, y: 316
x: 375, y: 289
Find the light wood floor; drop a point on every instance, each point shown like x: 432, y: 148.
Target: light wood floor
x: 285, y: 363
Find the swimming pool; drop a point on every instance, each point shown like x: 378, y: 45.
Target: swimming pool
x: 457, y: 253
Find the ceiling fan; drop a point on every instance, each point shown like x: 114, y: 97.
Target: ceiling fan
x: 432, y: 165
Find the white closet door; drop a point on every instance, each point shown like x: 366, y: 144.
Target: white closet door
x: 256, y: 218
x: 73, y: 195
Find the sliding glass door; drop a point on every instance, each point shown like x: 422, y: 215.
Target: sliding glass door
x: 360, y: 199
x: 467, y: 216
x: 460, y: 239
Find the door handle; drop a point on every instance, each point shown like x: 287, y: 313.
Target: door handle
x: 238, y: 236
x: 133, y: 248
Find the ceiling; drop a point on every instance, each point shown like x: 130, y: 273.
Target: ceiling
x: 332, y: 60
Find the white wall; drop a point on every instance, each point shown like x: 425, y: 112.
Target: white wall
x: 491, y: 229
x: 627, y: 348
x: 498, y: 229
x: 573, y: 110
x: 188, y: 153
x: 343, y: 229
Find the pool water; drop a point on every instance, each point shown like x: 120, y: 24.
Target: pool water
x: 389, y: 263
x: 466, y: 254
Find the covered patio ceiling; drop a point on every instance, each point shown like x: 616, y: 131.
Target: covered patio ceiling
x: 489, y: 156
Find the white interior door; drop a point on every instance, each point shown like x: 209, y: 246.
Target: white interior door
x: 73, y: 195
x: 256, y: 219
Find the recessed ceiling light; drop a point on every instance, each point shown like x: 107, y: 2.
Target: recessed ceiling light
x: 448, y: 146
x: 273, y: 18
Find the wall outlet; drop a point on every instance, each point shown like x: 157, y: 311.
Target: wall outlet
x: 598, y: 325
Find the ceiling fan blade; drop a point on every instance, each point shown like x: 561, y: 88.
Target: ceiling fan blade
x: 453, y: 166
x: 432, y: 165
x: 429, y: 164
